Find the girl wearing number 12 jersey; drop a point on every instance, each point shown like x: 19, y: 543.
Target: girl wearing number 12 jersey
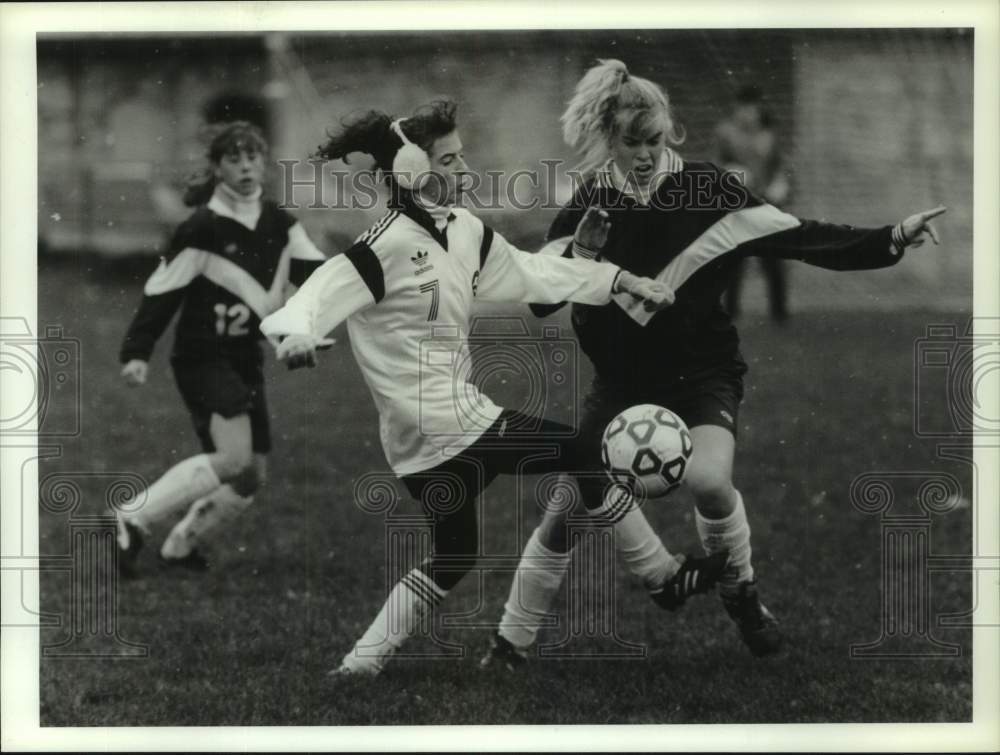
x: 226, y: 268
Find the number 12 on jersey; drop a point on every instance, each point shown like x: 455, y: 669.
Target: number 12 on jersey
x: 232, y: 320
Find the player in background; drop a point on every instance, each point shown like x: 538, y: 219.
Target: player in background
x: 406, y: 289
x: 747, y: 145
x: 685, y: 224
x: 227, y: 267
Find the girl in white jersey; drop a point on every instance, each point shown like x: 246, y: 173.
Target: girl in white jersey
x: 406, y: 288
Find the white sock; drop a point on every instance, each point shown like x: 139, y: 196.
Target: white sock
x: 733, y: 533
x: 180, y: 485
x: 205, y: 515
x: 410, y: 601
x: 534, y: 587
x: 642, y: 549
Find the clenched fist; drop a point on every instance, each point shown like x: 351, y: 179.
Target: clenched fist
x: 300, y: 351
x: 654, y: 294
x: 134, y: 372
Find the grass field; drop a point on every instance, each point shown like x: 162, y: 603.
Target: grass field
x: 829, y: 397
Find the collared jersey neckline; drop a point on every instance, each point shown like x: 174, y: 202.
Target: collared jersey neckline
x: 230, y: 204
x: 433, y: 218
x: 610, y: 177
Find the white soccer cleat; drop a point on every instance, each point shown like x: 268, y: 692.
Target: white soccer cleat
x: 351, y: 667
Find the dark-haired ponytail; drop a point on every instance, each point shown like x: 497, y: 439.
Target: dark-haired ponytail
x: 199, y: 187
x: 370, y: 132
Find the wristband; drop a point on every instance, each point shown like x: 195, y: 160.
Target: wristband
x: 579, y: 250
x: 897, y: 238
x: 614, y: 283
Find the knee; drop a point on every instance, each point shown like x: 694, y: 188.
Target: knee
x: 713, y: 491
x: 251, y: 478
x: 247, y: 482
x: 236, y: 467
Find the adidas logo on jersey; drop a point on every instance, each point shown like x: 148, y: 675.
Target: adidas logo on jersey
x: 422, y: 259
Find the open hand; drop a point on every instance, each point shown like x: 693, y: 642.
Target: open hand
x: 300, y: 351
x: 917, y: 227
x: 592, y: 232
x: 135, y: 372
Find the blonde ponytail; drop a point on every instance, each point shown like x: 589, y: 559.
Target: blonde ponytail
x: 606, y: 96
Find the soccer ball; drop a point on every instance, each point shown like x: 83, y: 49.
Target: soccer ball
x: 647, y: 448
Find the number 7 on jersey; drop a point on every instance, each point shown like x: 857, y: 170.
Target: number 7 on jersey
x: 432, y: 288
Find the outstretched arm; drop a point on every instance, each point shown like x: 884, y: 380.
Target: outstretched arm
x: 509, y: 274
x: 341, y: 286
x: 842, y: 247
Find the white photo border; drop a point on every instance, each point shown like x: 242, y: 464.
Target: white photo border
x: 19, y: 24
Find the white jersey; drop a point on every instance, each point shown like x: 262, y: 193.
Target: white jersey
x: 406, y: 289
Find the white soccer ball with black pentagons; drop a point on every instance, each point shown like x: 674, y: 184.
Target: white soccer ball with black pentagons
x: 647, y: 448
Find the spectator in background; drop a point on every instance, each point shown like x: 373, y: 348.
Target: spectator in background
x: 748, y: 145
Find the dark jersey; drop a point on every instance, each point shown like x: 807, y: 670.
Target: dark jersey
x: 698, y: 224
x: 224, y: 277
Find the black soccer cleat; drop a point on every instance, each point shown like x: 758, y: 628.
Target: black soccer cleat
x: 193, y: 561
x: 757, y: 625
x: 129, y: 544
x: 503, y: 655
x: 696, y: 576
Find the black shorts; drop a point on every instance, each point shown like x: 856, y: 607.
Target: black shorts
x: 228, y: 385
x: 515, y: 443
x: 709, y: 397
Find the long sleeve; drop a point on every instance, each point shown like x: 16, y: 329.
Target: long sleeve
x: 831, y: 246
x: 162, y: 295
x: 340, y: 287
x: 560, y: 241
x: 151, y: 319
x: 305, y: 257
x: 509, y: 274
